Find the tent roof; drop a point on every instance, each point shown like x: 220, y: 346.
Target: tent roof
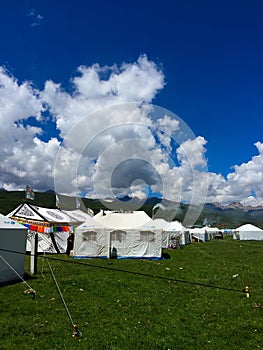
x: 248, y: 227
x: 175, y: 226
x: 90, y: 224
x: 197, y: 230
x: 77, y: 215
x: 211, y: 229
x: 122, y: 220
x: 5, y: 222
x: 151, y: 225
x: 35, y: 213
x: 161, y: 222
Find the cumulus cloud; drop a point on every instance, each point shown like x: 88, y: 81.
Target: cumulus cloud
x: 247, y: 178
x: 98, y: 87
x: 18, y: 102
x: 114, y: 140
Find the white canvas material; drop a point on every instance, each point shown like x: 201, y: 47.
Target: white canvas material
x: 12, y: 249
x: 248, y: 232
x: 52, y: 240
x: 199, y: 233
x: 175, y: 229
x: 119, y: 234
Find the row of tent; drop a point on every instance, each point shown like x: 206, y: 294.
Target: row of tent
x: 107, y: 234
x: 127, y: 235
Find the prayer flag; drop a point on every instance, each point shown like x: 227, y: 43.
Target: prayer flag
x: 30, y: 193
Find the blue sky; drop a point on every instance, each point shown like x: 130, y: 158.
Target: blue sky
x: 210, y: 54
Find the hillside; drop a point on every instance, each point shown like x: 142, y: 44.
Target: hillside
x: 9, y: 200
x: 224, y: 217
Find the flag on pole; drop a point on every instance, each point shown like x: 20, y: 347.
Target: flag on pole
x: 30, y: 193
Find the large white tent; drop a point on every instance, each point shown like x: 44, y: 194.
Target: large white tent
x: 248, y: 232
x: 118, y: 219
x: 12, y: 249
x: 53, y: 226
x: 119, y: 234
x: 175, y: 233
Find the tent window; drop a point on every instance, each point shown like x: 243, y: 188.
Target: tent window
x: 147, y: 236
x: 90, y: 236
x: 118, y: 236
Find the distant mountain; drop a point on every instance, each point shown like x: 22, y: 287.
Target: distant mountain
x: 230, y: 216
x: 126, y: 199
x: 153, y: 200
x: 50, y: 191
x: 237, y: 205
x: 149, y: 200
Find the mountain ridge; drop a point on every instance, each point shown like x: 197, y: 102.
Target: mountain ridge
x: 231, y: 215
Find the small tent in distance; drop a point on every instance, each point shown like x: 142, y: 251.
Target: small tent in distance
x: 12, y: 249
x: 175, y: 235
x: 198, y: 234
x: 248, y: 232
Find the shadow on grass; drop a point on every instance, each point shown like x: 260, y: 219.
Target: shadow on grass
x: 25, y: 277
x: 166, y: 256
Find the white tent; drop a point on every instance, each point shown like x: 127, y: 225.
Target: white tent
x: 119, y: 234
x: 248, y: 232
x: 199, y: 234
x: 12, y: 249
x: 90, y: 240
x: 52, y: 225
x: 175, y: 233
x: 211, y: 231
x: 163, y: 224
x: 122, y: 219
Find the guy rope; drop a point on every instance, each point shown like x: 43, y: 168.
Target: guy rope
x: 76, y: 332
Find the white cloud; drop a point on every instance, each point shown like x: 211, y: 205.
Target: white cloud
x: 248, y: 178
x: 17, y: 103
x: 191, y: 152
x: 168, y: 125
x: 98, y: 87
x: 114, y: 141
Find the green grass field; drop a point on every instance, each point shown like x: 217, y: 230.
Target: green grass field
x: 190, y: 301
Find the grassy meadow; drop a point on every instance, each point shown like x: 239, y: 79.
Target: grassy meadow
x: 194, y: 300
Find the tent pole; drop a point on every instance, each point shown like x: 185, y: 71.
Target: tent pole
x: 109, y: 245
x: 33, y: 260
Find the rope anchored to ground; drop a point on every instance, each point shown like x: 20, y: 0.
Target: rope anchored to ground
x: 76, y: 332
